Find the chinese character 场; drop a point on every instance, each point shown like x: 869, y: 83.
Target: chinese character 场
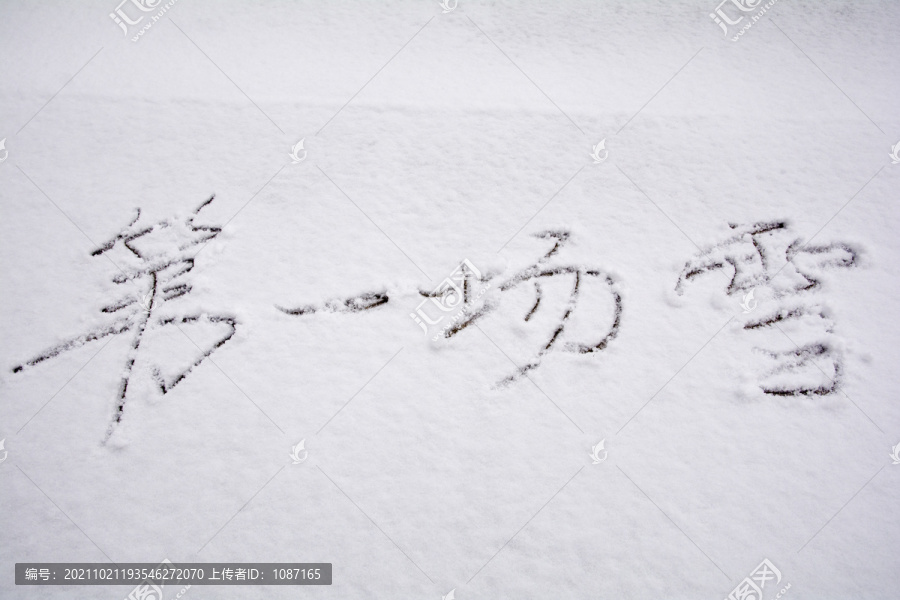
x: 157, y: 260
x: 766, y: 256
x: 536, y: 276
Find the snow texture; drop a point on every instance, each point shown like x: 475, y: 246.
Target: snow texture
x: 563, y: 300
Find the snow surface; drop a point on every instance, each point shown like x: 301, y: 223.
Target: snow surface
x: 430, y: 138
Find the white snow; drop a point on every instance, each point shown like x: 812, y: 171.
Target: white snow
x: 431, y: 138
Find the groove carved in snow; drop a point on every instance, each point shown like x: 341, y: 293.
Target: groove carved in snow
x: 158, y: 259
x: 763, y: 256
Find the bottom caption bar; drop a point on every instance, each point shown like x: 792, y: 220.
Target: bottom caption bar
x: 166, y: 573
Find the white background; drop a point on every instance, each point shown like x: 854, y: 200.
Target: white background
x: 434, y: 137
